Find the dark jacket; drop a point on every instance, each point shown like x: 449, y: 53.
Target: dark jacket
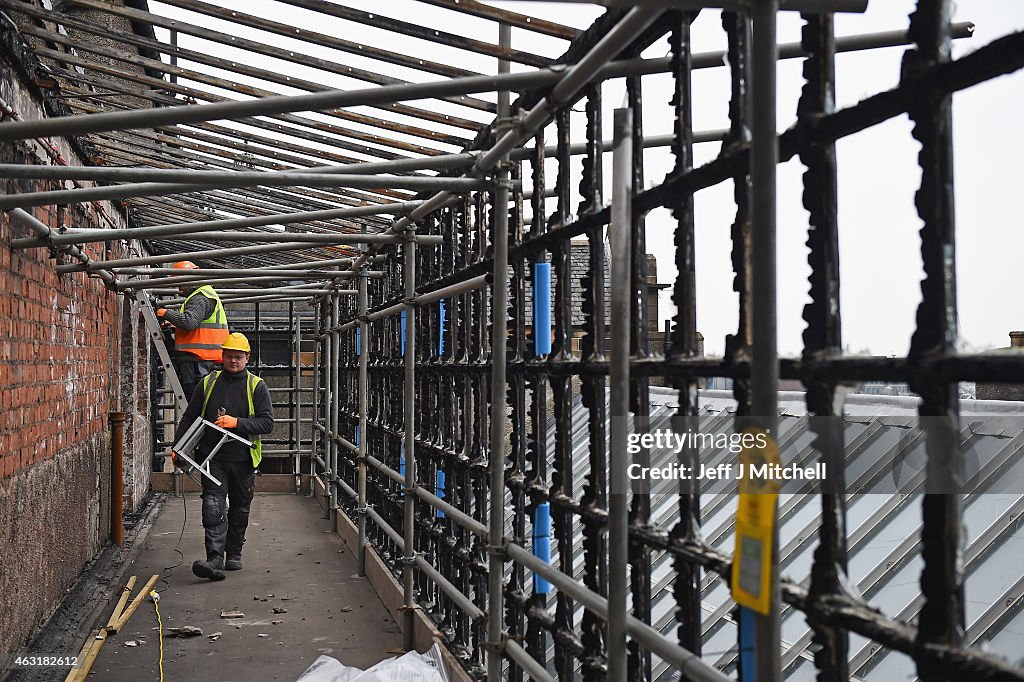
x: 230, y: 393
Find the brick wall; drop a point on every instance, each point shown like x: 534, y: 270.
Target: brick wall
x: 68, y: 356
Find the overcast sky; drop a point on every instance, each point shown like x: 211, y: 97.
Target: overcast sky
x: 878, y: 172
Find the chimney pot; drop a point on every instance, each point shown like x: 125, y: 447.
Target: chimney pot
x: 1017, y: 339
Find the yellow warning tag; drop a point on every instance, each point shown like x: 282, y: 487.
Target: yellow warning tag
x: 755, y: 520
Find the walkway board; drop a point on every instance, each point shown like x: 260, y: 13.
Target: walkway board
x: 292, y: 561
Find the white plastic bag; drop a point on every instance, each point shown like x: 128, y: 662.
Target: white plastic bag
x: 409, y: 667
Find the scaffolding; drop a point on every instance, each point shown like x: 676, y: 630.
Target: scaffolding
x: 395, y: 256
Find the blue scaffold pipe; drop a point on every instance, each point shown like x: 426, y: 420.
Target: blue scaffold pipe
x: 403, y: 332
x: 542, y: 544
x: 358, y: 341
x: 439, y: 491
x: 357, y: 434
x: 748, y: 652
x: 440, y: 328
x: 401, y: 460
x: 542, y: 308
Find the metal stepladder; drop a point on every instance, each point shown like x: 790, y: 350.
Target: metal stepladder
x: 156, y: 335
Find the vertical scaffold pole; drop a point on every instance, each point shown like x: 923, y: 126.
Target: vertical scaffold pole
x: 333, y: 406
x: 618, y: 500
x: 409, y: 417
x: 499, y: 333
x: 764, y: 365
x: 315, y: 402
x: 364, y: 342
x: 297, y: 398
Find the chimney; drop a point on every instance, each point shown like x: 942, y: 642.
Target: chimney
x: 987, y: 391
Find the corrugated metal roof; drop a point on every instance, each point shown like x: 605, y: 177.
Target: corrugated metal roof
x: 883, y: 528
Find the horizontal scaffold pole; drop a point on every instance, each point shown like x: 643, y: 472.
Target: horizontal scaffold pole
x: 191, y: 255
x: 236, y: 179
x: 332, y: 99
x: 82, y: 236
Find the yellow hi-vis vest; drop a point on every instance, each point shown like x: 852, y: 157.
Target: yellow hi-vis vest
x: 251, y: 382
x: 205, y: 340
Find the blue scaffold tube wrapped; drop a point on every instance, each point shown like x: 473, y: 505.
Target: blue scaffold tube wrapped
x: 358, y: 341
x: 403, y: 332
x: 542, y: 308
x: 440, y: 328
x: 542, y: 544
x: 439, y: 491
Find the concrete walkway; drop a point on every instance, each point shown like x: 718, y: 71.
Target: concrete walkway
x: 292, y: 562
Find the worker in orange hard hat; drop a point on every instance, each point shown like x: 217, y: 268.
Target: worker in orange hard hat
x: 200, y: 327
x: 237, y: 400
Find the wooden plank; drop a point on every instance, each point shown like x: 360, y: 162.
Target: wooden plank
x: 125, y: 593
x: 134, y: 605
x: 87, y: 656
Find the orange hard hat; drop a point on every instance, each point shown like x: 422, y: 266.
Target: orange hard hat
x: 185, y: 265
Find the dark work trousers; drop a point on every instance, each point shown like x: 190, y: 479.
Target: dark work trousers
x: 191, y: 372
x: 225, y: 525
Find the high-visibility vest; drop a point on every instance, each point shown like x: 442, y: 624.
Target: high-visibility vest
x: 251, y: 382
x: 205, y: 340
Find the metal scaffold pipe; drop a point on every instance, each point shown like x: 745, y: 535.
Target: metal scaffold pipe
x: 387, y: 94
x: 618, y: 500
x: 167, y: 275
x: 499, y: 332
x: 578, y: 75
x: 764, y: 357
x: 364, y: 352
x: 455, y: 289
x: 334, y: 407
x: 25, y: 219
x: 170, y: 258
x: 234, y: 180
x: 161, y: 286
x: 82, y: 236
x: 409, y: 444
x: 189, y: 177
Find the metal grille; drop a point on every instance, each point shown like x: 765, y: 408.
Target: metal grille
x: 452, y: 387
x: 444, y: 425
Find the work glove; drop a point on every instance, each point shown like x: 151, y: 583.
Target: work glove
x: 226, y: 421
x: 174, y: 460
x: 160, y: 312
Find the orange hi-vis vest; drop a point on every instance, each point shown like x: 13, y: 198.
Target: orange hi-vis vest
x: 205, y: 340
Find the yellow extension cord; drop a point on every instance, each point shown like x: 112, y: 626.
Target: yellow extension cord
x: 160, y: 622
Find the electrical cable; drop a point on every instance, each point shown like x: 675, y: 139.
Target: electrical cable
x: 160, y: 621
x: 169, y: 570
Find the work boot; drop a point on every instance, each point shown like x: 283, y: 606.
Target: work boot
x: 212, y: 569
x: 234, y: 563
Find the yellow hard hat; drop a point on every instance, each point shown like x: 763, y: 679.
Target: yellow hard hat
x: 236, y: 341
x: 185, y: 265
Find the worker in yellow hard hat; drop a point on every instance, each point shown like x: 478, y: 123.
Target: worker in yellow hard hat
x: 237, y: 400
x: 200, y: 327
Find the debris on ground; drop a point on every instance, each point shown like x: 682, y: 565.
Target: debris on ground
x: 231, y: 613
x: 185, y: 631
x: 276, y: 622
x: 346, y: 609
x: 280, y: 609
x: 425, y: 667
x: 133, y: 642
x: 215, y: 636
x: 262, y: 634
